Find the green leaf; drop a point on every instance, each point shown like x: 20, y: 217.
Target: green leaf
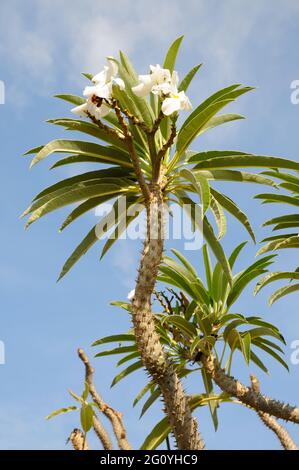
x: 201, y: 343
x: 216, y: 248
x: 245, y: 277
x: 143, y: 392
x: 262, y: 331
x: 245, y: 342
x: 280, y: 243
x: 185, y: 262
x: 85, y: 392
x: 275, y: 276
x: 208, y: 233
x: 267, y: 342
x: 86, y: 417
x: 243, y: 161
x: 104, y: 154
x: 273, y: 198
x: 176, y: 278
x: 235, y: 253
x: 87, y: 242
x: 61, y: 411
x: 258, y: 362
x: 157, y: 435
x: 123, y: 222
x: 219, y: 217
x: 236, y: 176
x: 219, y: 120
x: 189, y: 131
x: 170, y: 59
x: 124, y: 373
x: 76, y: 193
x: 282, y: 292
x: 128, y: 358
x: 77, y: 100
x: 217, y: 282
x: 119, y: 350
x: 89, y: 128
x: 213, y: 405
x: 208, y: 267
x: 228, y: 93
x: 188, y: 78
x: 152, y: 398
x: 272, y: 353
x: 200, y: 185
x: 114, y: 339
x: 130, y: 77
x: 114, y: 175
x: 182, y: 324
x: 83, y: 208
x: 234, y: 210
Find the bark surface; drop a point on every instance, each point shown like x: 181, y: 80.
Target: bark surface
x: 159, y: 366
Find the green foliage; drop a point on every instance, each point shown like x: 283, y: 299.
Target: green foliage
x: 188, y: 172
x: 197, y: 319
x: 290, y: 182
x: 85, y: 409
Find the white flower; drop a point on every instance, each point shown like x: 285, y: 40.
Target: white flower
x: 106, y: 75
x: 131, y: 294
x: 158, y: 76
x: 164, y: 84
x: 175, y: 102
x: 144, y: 87
x: 98, y: 95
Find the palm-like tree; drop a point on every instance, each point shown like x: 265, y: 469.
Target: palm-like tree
x: 290, y: 182
x: 199, y: 319
x: 151, y: 165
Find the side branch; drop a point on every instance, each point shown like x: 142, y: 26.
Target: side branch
x: 248, y: 396
x: 114, y: 416
x: 78, y: 440
x: 105, y: 128
x: 131, y: 147
x: 271, y: 423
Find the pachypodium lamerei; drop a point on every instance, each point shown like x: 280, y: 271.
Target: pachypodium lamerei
x: 137, y: 117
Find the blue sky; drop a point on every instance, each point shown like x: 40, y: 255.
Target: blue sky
x: 44, y: 45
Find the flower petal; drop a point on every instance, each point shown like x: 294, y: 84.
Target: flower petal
x: 112, y: 69
x: 80, y: 110
x: 102, y: 111
x: 103, y: 91
x: 144, y: 87
x: 118, y: 82
x: 170, y: 105
x: 89, y: 91
x: 131, y: 294
x: 100, y: 78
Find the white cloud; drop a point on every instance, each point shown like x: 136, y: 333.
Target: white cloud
x: 67, y: 36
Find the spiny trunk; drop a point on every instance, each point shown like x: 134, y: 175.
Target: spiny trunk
x: 161, y: 369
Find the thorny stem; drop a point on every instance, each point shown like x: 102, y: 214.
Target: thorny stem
x: 247, y: 395
x: 271, y: 423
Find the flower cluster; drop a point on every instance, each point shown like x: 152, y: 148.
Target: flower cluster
x: 98, y: 95
x: 159, y: 81
x: 164, y: 84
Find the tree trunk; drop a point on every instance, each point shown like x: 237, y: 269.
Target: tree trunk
x: 161, y: 369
